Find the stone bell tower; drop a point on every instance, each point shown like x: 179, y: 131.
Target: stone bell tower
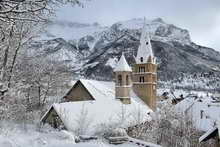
x: 145, y: 71
x: 123, y: 81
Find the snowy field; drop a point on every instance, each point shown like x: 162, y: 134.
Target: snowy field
x: 12, y: 135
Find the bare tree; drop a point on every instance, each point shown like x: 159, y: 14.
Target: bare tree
x: 17, y: 19
x: 22, y: 78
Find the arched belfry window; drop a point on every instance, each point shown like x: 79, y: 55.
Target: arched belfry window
x: 141, y: 79
x: 127, y: 80
x: 119, y: 80
x: 141, y: 59
x: 141, y: 69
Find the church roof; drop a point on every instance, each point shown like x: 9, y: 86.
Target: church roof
x: 104, y: 110
x: 145, y: 48
x: 122, y: 65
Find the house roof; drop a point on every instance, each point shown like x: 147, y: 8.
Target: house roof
x: 122, y: 65
x: 105, y: 109
x: 209, y: 134
x: 205, y: 113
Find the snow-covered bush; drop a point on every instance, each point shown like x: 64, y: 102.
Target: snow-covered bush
x: 117, y: 132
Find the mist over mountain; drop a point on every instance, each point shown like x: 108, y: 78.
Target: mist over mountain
x: 92, y: 50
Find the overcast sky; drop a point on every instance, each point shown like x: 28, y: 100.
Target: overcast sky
x: 200, y: 17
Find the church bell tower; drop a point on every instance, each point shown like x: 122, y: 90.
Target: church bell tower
x: 145, y: 71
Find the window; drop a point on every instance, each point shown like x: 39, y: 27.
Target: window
x: 147, y: 43
x: 141, y: 59
x: 141, y: 69
x: 119, y: 80
x: 201, y: 114
x: 141, y: 79
x: 127, y: 80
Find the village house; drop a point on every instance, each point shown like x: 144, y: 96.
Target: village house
x: 128, y: 101
x: 204, y: 112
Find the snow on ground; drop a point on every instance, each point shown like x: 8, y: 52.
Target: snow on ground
x: 12, y: 135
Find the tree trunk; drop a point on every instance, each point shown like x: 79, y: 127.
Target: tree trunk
x: 39, y: 95
x: 13, y: 63
x: 5, y: 60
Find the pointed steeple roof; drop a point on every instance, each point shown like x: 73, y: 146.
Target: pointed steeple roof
x: 145, y: 48
x: 122, y: 65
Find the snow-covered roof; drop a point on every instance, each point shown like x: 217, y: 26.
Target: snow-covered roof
x: 105, y: 109
x: 99, y: 90
x: 203, y: 110
x: 122, y: 65
x: 145, y: 48
x: 208, y: 134
x: 211, y: 133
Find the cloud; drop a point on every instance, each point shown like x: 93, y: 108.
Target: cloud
x: 200, y: 17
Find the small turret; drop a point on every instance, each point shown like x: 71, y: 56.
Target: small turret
x: 123, y: 80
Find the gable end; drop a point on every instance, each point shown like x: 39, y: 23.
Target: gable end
x: 78, y: 93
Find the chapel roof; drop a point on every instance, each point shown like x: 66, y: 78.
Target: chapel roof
x: 122, y: 65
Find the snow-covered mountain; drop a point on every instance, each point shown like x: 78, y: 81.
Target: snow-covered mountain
x: 71, y: 30
x: 92, y: 50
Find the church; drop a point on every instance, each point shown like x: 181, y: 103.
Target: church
x: 128, y: 101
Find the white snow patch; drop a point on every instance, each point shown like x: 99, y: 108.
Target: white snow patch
x: 112, y: 62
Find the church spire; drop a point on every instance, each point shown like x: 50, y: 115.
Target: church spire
x: 145, y: 53
x: 122, y: 65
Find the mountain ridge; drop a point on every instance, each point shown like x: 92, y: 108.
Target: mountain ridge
x: 96, y: 49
